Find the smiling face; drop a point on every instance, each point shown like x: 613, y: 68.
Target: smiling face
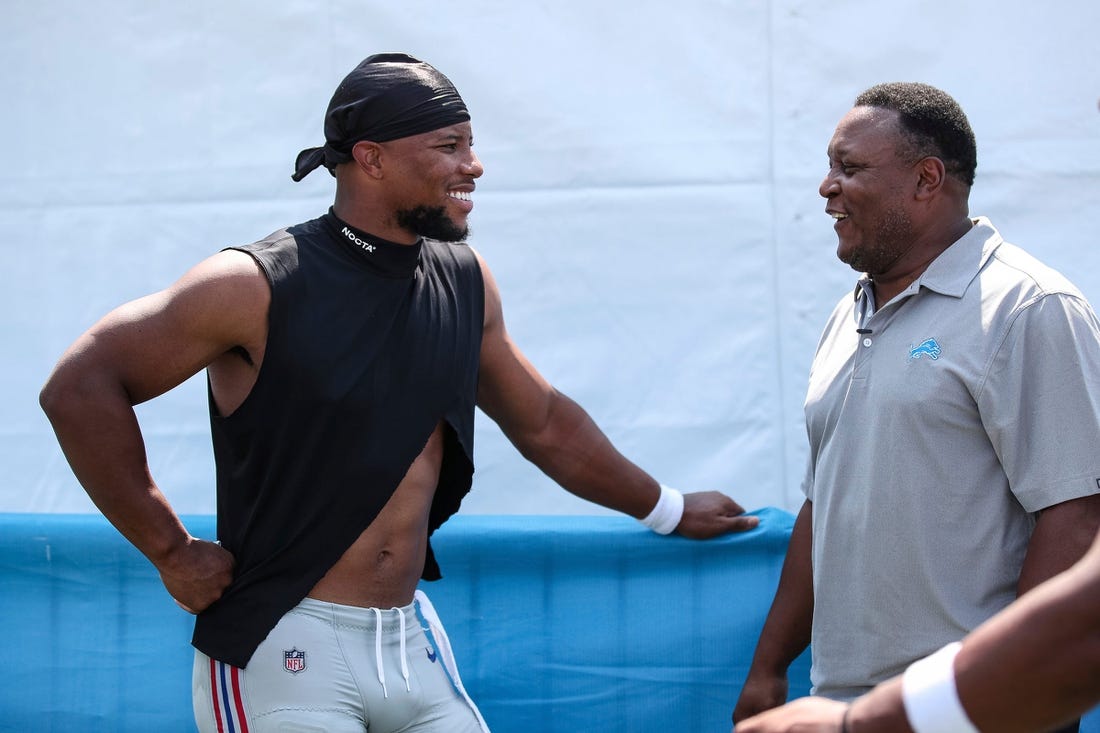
x: 430, y: 181
x: 870, y: 190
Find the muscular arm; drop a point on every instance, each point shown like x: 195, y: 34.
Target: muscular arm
x: 557, y: 435
x: 786, y: 632
x: 136, y: 352
x: 1033, y: 666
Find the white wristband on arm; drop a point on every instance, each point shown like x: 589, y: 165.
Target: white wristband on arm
x: 931, y: 699
x: 667, y: 513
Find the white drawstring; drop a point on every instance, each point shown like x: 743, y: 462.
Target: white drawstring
x: 404, y: 657
x: 378, y: 650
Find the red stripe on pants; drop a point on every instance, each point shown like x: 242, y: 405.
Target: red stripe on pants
x: 214, y: 695
x: 236, y: 674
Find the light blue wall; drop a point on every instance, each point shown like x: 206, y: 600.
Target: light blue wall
x: 649, y: 209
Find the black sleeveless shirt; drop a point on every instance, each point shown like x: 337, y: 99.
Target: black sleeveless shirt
x: 370, y: 345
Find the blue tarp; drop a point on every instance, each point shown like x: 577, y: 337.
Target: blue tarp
x: 558, y: 623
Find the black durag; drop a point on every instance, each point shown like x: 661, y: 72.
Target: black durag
x: 387, y: 96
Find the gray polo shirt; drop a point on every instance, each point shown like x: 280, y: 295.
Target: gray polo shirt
x: 972, y: 402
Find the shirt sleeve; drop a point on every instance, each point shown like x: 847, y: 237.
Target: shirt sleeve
x: 1040, y: 403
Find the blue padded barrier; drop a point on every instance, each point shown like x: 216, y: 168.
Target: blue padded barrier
x: 558, y: 624
x: 583, y: 623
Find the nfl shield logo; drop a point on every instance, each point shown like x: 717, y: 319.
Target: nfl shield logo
x: 294, y: 661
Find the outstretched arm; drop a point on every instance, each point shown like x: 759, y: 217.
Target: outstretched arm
x: 136, y: 352
x: 557, y: 435
x: 1032, y: 667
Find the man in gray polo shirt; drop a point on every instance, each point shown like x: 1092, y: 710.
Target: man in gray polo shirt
x: 953, y: 413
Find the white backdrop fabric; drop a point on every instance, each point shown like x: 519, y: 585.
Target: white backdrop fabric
x: 649, y: 207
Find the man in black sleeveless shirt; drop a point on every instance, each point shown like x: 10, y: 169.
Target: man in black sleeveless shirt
x: 344, y: 358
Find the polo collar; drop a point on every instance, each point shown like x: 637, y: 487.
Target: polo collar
x: 952, y: 272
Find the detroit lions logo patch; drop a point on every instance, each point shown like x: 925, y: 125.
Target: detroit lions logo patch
x: 928, y: 347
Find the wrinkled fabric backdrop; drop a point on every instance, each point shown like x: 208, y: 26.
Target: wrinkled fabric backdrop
x: 649, y: 207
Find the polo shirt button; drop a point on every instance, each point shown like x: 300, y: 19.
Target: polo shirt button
x: 867, y: 342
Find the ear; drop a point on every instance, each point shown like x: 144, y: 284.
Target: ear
x: 931, y: 174
x: 368, y: 156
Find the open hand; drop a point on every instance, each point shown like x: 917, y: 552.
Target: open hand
x: 804, y: 715
x: 712, y: 513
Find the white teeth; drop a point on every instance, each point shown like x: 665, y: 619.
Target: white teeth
x: 838, y: 216
x: 460, y: 195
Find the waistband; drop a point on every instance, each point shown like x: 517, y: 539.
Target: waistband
x: 356, y: 617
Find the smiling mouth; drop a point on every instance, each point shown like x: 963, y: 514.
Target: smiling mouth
x: 459, y: 195
x: 837, y: 215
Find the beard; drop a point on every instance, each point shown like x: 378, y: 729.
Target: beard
x: 431, y: 222
x: 893, y: 238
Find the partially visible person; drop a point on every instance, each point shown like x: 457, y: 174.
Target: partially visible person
x: 1033, y: 666
x: 344, y: 357
x: 953, y: 414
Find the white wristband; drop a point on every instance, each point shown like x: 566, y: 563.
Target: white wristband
x: 667, y: 513
x: 931, y: 700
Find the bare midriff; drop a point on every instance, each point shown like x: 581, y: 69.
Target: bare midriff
x: 382, y: 567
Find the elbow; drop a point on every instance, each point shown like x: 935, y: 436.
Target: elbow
x: 545, y: 432
x: 534, y: 447
x: 59, y: 401
x: 64, y: 393
x: 51, y: 398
